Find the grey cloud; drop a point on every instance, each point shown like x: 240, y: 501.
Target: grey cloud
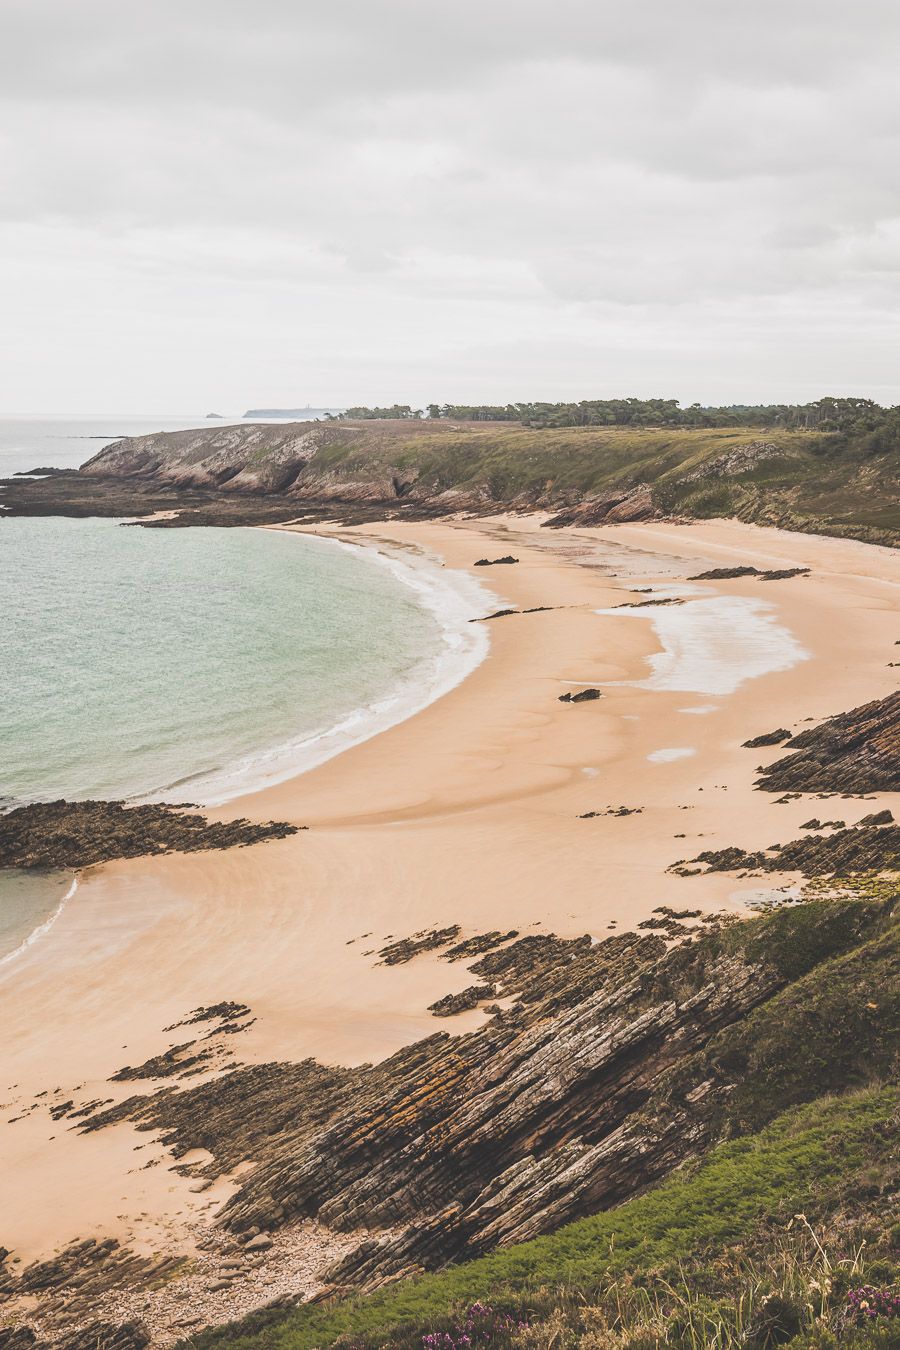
x: 378, y: 168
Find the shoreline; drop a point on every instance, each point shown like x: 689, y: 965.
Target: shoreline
x: 466, y: 812
x: 442, y: 670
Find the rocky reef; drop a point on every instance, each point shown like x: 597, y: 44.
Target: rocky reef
x: 868, y: 848
x: 764, y: 574
x: 77, y: 834
x: 855, y: 752
x: 616, y: 1061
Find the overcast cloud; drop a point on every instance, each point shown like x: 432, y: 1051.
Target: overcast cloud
x: 206, y: 204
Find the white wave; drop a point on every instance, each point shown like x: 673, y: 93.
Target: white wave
x: 666, y: 756
x: 714, y: 646
x: 454, y: 598
x: 42, y: 928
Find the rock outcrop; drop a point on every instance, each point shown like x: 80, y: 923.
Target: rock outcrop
x: 600, y: 1078
x: 868, y: 848
x: 855, y: 752
x: 77, y: 834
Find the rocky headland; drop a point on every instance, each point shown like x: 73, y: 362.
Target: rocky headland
x: 354, y: 471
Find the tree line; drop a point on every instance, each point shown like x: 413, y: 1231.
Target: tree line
x: 857, y: 415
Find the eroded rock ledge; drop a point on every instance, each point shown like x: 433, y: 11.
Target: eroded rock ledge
x: 77, y: 834
x: 608, y: 1070
x: 855, y: 752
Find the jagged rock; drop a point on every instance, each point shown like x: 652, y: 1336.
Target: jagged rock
x: 226, y: 1012
x: 642, y: 604
x: 885, y: 817
x: 107, y: 1336
x: 768, y: 738
x: 815, y: 824
x: 77, y: 834
x: 495, y: 562
x: 729, y: 573
x: 855, y: 752
x: 165, y: 1065
x: 612, y: 811
x: 628, y: 504
x: 603, y: 1077
x: 397, y: 953
x: 583, y: 696
x: 475, y: 946
x: 468, y: 998
x: 17, y: 1338
x: 865, y: 849
x: 740, y: 460
x: 725, y: 573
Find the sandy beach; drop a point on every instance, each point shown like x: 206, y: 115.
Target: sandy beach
x: 467, y: 813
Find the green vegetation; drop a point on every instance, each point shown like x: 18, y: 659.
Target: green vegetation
x: 854, y: 415
x: 836, y: 1026
x: 836, y: 478
x: 715, y: 1255
x: 696, y: 1262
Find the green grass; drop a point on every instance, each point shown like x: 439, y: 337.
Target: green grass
x: 820, y: 480
x: 808, y: 1159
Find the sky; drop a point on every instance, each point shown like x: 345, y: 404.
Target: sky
x: 216, y: 204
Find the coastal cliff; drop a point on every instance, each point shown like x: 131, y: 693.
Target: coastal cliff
x: 590, y: 475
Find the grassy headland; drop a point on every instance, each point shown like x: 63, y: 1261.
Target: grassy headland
x: 827, y: 478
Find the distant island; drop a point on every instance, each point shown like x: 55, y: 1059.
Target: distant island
x: 298, y: 414
x: 218, y: 417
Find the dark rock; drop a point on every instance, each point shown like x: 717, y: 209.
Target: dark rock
x: 768, y: 738
x: 643, y: 604
x: 466, y: 999
x: 475, y: 946
x: 77, y: 834
x: 17, y: 1338
x: 107, y: 1336
x: 885, y: 817
x: 606, y: 1074
x: 583, y: 696
x: 397, y: 953
x: 865, y: 849
x: 495, y: 562
x: 855, y: 752
x: 725, y: 573
x: 613, y: 811
x: 166, y: 1065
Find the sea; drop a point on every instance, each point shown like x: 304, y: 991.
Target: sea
x: 194, y: 664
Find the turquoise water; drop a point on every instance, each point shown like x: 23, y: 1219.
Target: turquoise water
x: 196, y: 664
x: 190, y: 664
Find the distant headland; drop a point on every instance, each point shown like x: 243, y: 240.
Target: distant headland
x: 298, y: 414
